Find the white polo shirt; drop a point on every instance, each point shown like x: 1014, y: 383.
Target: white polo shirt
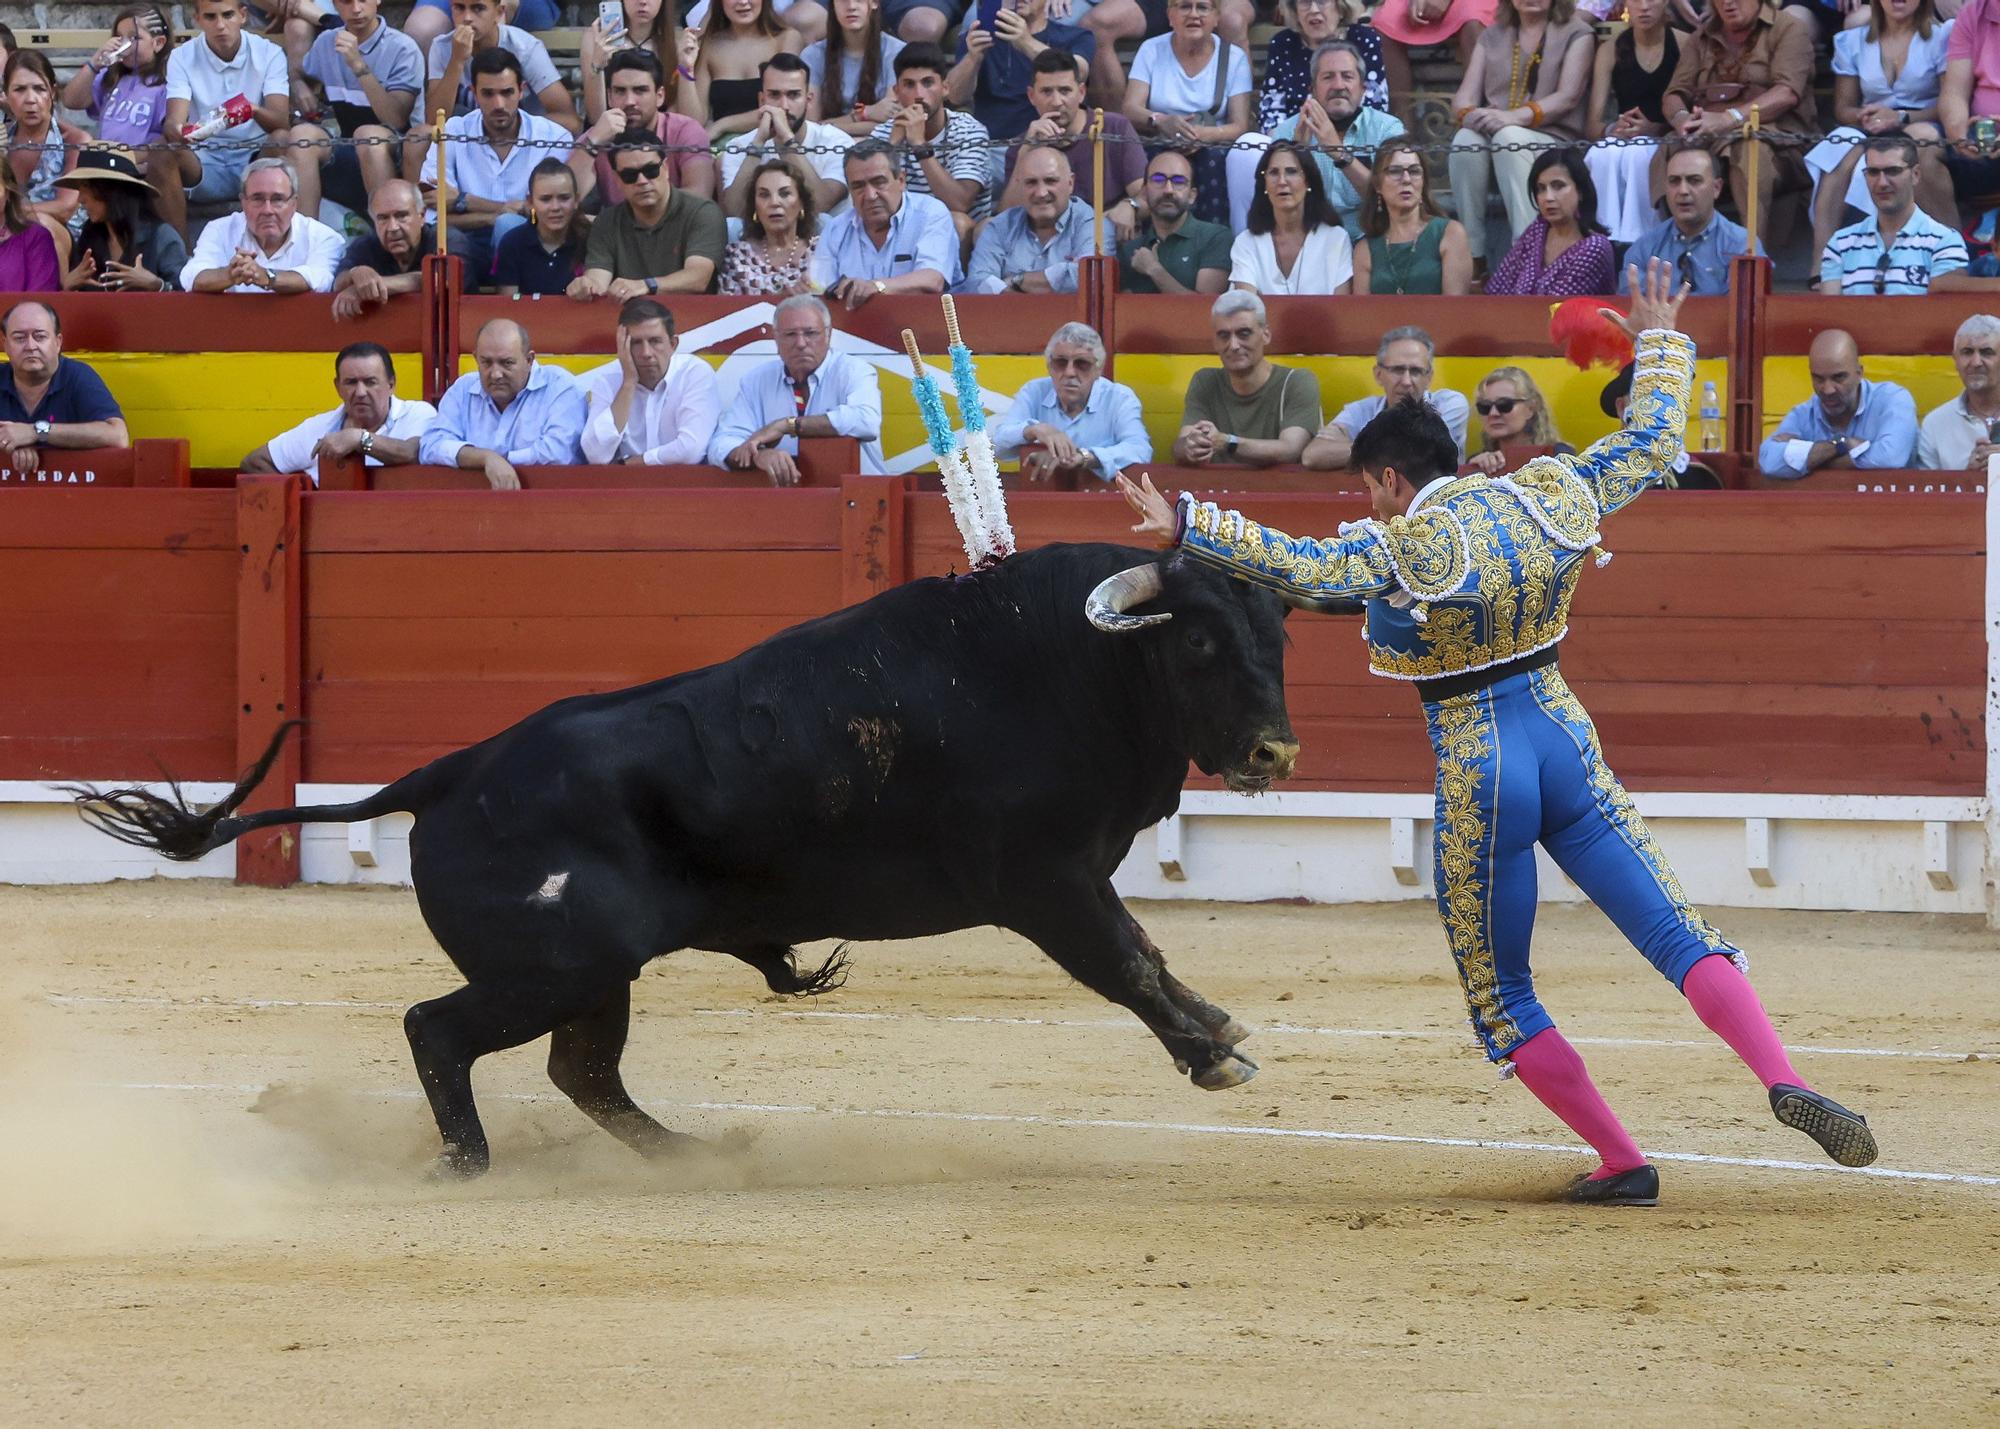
x: 478, y: 170
x: 668, y: 425
x: 311, y: 249
x: 293, y: 450
x: 826, y: 156
x: 206, y: 80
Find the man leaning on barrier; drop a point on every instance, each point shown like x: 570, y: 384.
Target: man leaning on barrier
x: 46, y: 399
x: 807, y: 390
x: 512, y: 412
x: 371, y: 420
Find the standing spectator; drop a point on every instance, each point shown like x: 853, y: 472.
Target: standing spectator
x: 29, y: 262
x: 1411, y: 247
x: 1190, y: 89
x: 1563, y: 253
x: 1697, y: 240
x: 46, y: 399
x: 1901, y: 250
x: 510, y: 413
x: 389, y: 258
x: 1512, y: 413
x: 1249, y: 411
x: 1626, y: 88
x: 1087, y: 426
x: 648, y: 27
x: 638, y: 98
x: 653, y: 406
x: 371, y: 420
x: 1293, y: 243
x: 1114, y: 20
x: 660, y: 240
x: 1291, y: 56
x: 1407, y: 25
x: 853, y: 69
x: 126, y: 93
x: 1056, y: 93
x: 1403, y: 368
x: 944, y: 151
x: 267, y: 246
x: 1848, y: 423
x: 1747, y: 54
x: 996, y: 66
x: 494, y: 151
x: 774, y: 256
x: 1174, y: 252
x: 890, y: 241
x: 736, y: 40
x: 784, y: 132
x: 43, y: 148
x: 371, y: 74
x: 807, y: 390
x: 1526, y: 84
x: 1886, y: 78
x: 124, y: 246
x: 479, y: 26
x: 1035, y: 248
x: 543, y: 256
x: 1341, y: 132
x: 1964, y: 433
x: 1971, y: 90
x: 202, y: 76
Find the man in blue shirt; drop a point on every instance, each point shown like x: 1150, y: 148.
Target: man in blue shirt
x: 46, y: 399
x: 1086, y: 425
x: 513, y: 411
x: 1902, y: 251
x: 1851, y: 423
x: 996, y: 66
x: 807, y: 390
x: 1034, y: 248
x: 1697, y: 240
x: 1337, y: 126
x: 890, y: 240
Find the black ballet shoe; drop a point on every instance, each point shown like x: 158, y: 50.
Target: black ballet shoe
x: 1638, y: 1187
x: 1841, y: 1134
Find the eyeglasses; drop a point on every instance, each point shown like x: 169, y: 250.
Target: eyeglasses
x: 1175, y: 181
x: 1882, y: 274
x: 1502, y: 405
x: 643, y: 171
x: 1885, y: 171
x: 1411, y: 372
x: 1404, y: 171
x: 1303, y: 5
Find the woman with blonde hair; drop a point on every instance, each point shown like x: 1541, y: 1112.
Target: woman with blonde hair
x: 1190, y: 89
x: 1512, y: 413
x: 736, y: 39
x: 1408, y: 245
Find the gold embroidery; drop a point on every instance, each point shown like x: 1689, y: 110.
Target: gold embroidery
x: 1270, y: 557
x: 1429, y: 551
x: 1462, y: 733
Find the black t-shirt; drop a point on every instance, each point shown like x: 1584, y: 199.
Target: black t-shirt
x: 523, y: 263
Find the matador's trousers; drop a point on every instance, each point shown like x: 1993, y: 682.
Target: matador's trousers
x: 1518, y: 764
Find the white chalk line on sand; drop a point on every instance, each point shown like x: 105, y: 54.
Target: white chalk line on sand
x: 1115, y: 1024
x: 1182, y: 1128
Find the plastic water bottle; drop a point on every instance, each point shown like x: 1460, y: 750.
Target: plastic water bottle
x: 1711, y: 419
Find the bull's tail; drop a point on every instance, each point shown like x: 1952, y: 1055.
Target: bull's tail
x: 170, y: 827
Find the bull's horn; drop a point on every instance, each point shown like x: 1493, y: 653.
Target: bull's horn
x: 1117, y: 594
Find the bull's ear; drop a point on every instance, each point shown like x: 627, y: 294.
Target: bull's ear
x: 1106, y: 606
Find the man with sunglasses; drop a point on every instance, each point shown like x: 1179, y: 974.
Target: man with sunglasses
x: 1175, y: 252
x: 1849, y: 423
x: 1403, y: 366
x: 659, y: 240
x: 1697, y: 240
x: 1902, y: 251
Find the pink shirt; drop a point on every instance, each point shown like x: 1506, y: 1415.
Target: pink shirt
x: 676, y: 131
x: 1976, y: 37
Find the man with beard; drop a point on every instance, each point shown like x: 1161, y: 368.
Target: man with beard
x: 635, y: 103
x: 266, y: 247
x: 495, y: 149
x: 1849, y: 422
x: 1086, y: 425
x: 996, y: 63
x: 1035, y: 248
x: 1175, y: 252
x: 1697, y: 240
x: 1403, y: 366
x: 660, y: 240
x: 1336, y: 126
x: 784, y: 132
x: 46, y: 399
x: 371, y: 419
x: 652, y: 407
x: 890, y: 241
x: 944, y: 150
x: 1963, y: 433
x: 1056, y: 92
x: 389, y: 258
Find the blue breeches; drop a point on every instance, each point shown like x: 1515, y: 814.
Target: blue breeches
x: 1518, y: 764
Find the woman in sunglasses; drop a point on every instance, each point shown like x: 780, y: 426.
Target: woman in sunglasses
x: 1512, y: 413
x: 1563, y: 253
x: 1411, y: 247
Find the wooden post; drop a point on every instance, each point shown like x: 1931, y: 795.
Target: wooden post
x: 1749, y: 299
x: 161, y: 461
x: 874, y: 548
x: 1097, y: 178
x: 1750, y: 157
x: 268, y: 640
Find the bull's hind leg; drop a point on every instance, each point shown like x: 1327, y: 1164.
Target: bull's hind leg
x: 584, y: 1053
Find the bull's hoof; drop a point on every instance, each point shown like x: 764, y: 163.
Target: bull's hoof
x: 1233, y: 1031
x: 1230, y: 1071
x: 456, y: 1164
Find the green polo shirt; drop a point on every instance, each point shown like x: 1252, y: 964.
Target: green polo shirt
x: 692, y: 227
x: 1198, y: 245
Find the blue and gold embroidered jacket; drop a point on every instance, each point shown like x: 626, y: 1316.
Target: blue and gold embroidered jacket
x: 1481, y: 569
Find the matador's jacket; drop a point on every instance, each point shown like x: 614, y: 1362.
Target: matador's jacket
x: 1468, y: 595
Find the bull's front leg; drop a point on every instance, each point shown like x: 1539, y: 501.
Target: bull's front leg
x: 1227, y: 1029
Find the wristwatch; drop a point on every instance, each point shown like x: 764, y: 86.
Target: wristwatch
x: 653, y: 286
x: 1229, y: 446
x: 881, y: 287
x: 42, y: 430
x: 920, y: 152
x: 367, y: 444
x: 270, y: 275
x: 1840, y: 446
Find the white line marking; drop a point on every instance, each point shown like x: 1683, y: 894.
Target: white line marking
x: 1115, y: 1024
x: 1185, y: 1128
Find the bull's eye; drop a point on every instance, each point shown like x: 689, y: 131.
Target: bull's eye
x: 1199, y: 642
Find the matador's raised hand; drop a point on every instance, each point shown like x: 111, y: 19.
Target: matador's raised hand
x: 1655, y: 303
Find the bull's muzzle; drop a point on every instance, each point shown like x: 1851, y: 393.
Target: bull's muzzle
x: 1269, y: 760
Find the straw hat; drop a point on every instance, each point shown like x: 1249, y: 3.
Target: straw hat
x: 105, y: 164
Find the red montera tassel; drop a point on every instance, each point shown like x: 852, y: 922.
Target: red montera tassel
x: 1587, y: 337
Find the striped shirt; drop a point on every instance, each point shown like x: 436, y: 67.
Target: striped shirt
x: 964, y: 148
x: 1924, y: 249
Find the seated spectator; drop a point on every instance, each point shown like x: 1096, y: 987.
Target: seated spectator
x: 124, y: 88
x: 1293, y: 243
x: 1035, y: 248
x: 1745, y: 54
x: 996, y: 65
x: 1113, y: 20
x: 1563, y: 253
x: 1886, y: 78
x: 479, y: 26
x: 1292, y: 53
x: 783, y: 131
x: 1697, y: 240
x: 389, y: 258
x: 774, y: 256
x: 29, y: 262
x: 1174, y: 252
x: 267, y: 246
x: 736, y: 38
x: 1190, y: 88
x: 1088, y: 427
x: 124, y: 246
x: 1403, y: 366
x: 1964, y: 433
x: 204, y: 75
x: 1526, y: 84
x: 371, y: 419
x: 1900, y: 250
x: 1249, y: 411
x: 492, y: 153
x: 1971, y: 90
x: 371, y: 74
x: 1512, y: 413
x: 42, y: 148
x: 46, y: 399
x: 649, y: 26
x: 638, y: 99
x: 652, y: 406
x: 1411, y: 247
x: 1056, y: 94
x: 944, y: 152
x: 853, y: 69
x: 543, y: 256
x: 1333, y: 125
x: 1848, y: 423
x: 660, y: 240
x: 512, y: 412
x: 807, y: 390
x: 890, y: 241
x: 431, y: 20
x: 1407, y: 25
x: 1627, y: 85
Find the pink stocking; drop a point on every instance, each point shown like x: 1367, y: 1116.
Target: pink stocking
x: 1550, y: 1068
x: 1726, y: 1003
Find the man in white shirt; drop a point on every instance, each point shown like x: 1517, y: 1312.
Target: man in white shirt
x: 1402, y: 371
x: 371, y: 419
x: 805, y: 391
x: 203, y: 76
x: 494, y: 152
x: 1960, y: 435
x: 267, y: 247
x: 784, y: 132
x: 652, y: 407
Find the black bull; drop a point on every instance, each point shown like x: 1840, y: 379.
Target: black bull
x: 949, y: 754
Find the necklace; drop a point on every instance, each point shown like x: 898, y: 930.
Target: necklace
x: 1518, y: 86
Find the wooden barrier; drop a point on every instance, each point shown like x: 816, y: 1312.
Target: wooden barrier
x: 823, y: 461
x: 147, y: 462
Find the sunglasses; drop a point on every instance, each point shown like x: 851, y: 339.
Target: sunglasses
x: 1686, y: 265
x: 1885, y: 171
x: 1502, y: 405
x: 643, y: 171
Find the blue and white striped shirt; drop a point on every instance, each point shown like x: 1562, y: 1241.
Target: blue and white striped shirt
x: 1924, y: 249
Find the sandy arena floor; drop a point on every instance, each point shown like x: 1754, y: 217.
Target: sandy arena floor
x: 213, y: 1207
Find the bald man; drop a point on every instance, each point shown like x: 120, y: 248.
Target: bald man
x: 46, y: 399
x: 389, y: 258
x: 1850, y: 422
x: 1034, y: 248
x: 512, y: 412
